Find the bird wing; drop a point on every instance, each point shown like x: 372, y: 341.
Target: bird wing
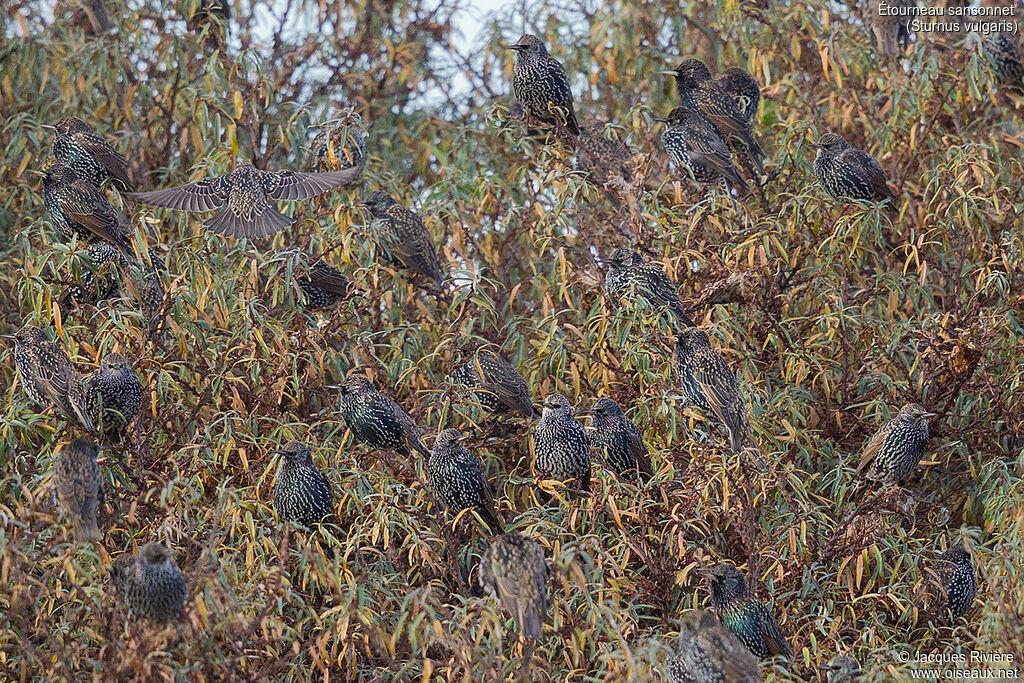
x: 714, y: 152
x: 872, y: 447
x: 772, y: 634
x: 292, y: 185
x: 203, y: 195
x: 266, y: 221
x: 92, y: 212
x: 107, y: 157
x: 502, y: 380
x: 870, y: 170
x: 722, y: 392
x: 409, y: 428
x: 328, y: 278
x: 412, y: 244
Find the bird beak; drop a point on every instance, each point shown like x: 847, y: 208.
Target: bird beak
x: 669, y: 73
x: 517, y: 47
x: 662, y: 119
x: 7, y: 336
x: 48, y: 126
x: 929, y: 415
x: 815, y: 145
x: 35, y: 172
x: 701, y: 571
x: 335, y: 387
x: 463, y: 437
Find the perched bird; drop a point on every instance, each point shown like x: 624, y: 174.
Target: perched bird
x: 302, y: 494
x: 514, y: 570
x: 842, y: 669
x: 600, y: 157
x: 694, y: 146
x: 79, y: 486
x: 77, y: 208
x: 457, y: 478
x: 708, y: 653
x: 101, y: 280
x: 49, y: 377
x: 623, y: 444
x: 630, y: 274
x: 89, y: 15
x: 959, y: 582
x: 115, y: 394
x: 323, y: 285
x: 890, y: 30
x: 743, y: 87
x: 497, y: 385
x: 339, y: 145
x: 150, y: 584
x: 403, y: 236
x: 744, y: 615
x: 377, y: 420
x: 78, y: 146
x: 1003, y: 53
x: 245, y: 194
x: 895, y: 449
x: 698, y: 91
x: 561, y: 446
x: 847, y: 173
x: 540, y: 84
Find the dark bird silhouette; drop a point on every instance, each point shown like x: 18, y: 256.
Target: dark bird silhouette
x: 245, y: 194
x: 743, y: 87
x: 623, y: 445
x: 959, y: 582
x: 694, y: 146
x: 403, y: 236
x: 1003, y: 53
x: 78, y: 146
x: 115, y: 394
x: 514, y: 570
x: 79, y: 486
x: 323, y: 286
x: 77, y: 208
x: 708, y: 653
x: 339, y: 145
x: 497, y: 385
x: 561, y: 446
x: 601, y: 157
x: 842, y: 669
x: 376, y: 420
x: 893, y: 453
x: 457, y: 478
x: 541, y: 85
x: 150, y: 584
x: 48, y: 376
x: 744, y: 615
x: 302, y: 494
x: 847, y: 173
x: 630, y: 274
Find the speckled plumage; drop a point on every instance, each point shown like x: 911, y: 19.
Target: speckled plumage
x: 561, y: 446
x: 695, y: 148
x: 842, y: 669
x: 514, y: 569
x: 959, y: 582
x: 540, y: 83
x: 100, y: 281
x: 339, y: 145
x: 404, y: 237
x: 708, y: 653
x: 625, y: 452
x: 323, y: 286
x: 78, y: 146
x: 892, y: 454
x: 846, y: 173
x: 376, y: 420
x: 115, y: 394
x: 77, y: 208
x: 743, y: 87
x: 629, y: 272
x: 302, y: 494
x: 495, y: 382
x: 457, y: 478
x: 744, y: 615
x: 601, y: 157
x: 48, y: 377
x: 150, y: 584
x: 1003, y: 53
x: 79, y: 485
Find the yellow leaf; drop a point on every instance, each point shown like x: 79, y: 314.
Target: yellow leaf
x: 238, y: 105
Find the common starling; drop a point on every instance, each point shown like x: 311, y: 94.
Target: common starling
x: 340, y: 145
x: 895, y: 449
x: 302, y: 494
x: 497, y: 385
x: 694, y: 146
x: 78, y: 146
x: 744, y: 615
x: 514, y: 570
x: 708, y: 653
x: 115, y: 394
x: 79, y: 486
x: 150, y: 584
x: 77, y: 208
x: 891, y: 30
x: 847, y: 173
x: 101, y: 280
x: 743, y: 87
x: 561, y: 446
x: 842, y: 669
x: 602, y: 158
x: 959, y: 582
x: 541, y: 85
x: 457, y: 478
x: 49, y: 377
x: 245, y: 194
x: 323, y: 286
x: 630, y: 274
x: 1004, y: 57
x: 623, y: 444
x: 403, y: 236
x: 698, y: 91
x: 377, y: 420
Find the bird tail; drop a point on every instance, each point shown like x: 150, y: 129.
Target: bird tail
x: 85, y: 529
x: 417, y: 443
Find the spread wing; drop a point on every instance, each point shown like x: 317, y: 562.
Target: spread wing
x: 107, y: 157
x: 204, y: 195
x: 289, y: 185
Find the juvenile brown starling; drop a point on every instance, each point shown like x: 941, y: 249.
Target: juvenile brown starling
x: 743, y: 87
x: 404, y: 238
x: 630, y: 274
x: 457, y: 478
x: 245, y: 194
x: 895, y: 449
x: 49, y: 377
x: 959, y: 582
x: 302, y: 494
x: 1004, y: 57
x: 561, y: 446
x: 708, y: 653
x: 514, y: 570
x: 744, y: 615
x: 541, y: 85
x: 847, y: 173
x: 694, y: 147
x: 377, y: 420
x: 698, y: 91
x: 115, y: 394
x: 76, y: 207
x: 842, y: 669
x: 150, y: 584
x: 323, y: 286
x: 497, y: 385
x: 79, y: 485
x: 340, y: 145
x: 602, y: 158
x: 78, y: 146
x: 623, y: 445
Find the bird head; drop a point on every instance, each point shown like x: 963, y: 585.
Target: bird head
x: 727, y: 583
x: 156, y: 553
x: 692, y: 339
x: 955, y: 555
x: 915, y: 412
x: 556, y: 403
x: 677, y: 116
x: 449, y: 438
x: 831, y: 142
x: 604, y: 408
x: 70, y: 125
x: 378, y: 202
x: 624, y: 257
x: 29, y: 334
x: 689, y: 73
x: 114, y: 363
x: 85, y: 445
x: 355, y: 385
x: 295, y: 452
x: 529, y: 44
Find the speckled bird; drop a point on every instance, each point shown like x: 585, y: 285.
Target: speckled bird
x: 601, y: 157
x: 514, y: 569
x: 78, y: 146
x: 842, y: 669
x: 101, y: 279
x: 1003, y: 53
x: 846, y: 173
x: 150, y: 584
x: 115, y: 394
x: 403, y: 236
x: 629, y: 273
x: 48, y: 376
x: 302, y: 494
x: 697, y: 90
x: 695, y: 149
x: 497, y: 385
x: 376, y: 420
x: 708, y: 653
x: 339, y: 145
x: 540, y: 84
x: 743, y: 87
x: 245, y: 194
x: 959, y: 582
x: 625, y: 452
x: 457, y: 478
x: 323, y: 286
x: 79, y: 486
x: 77, y: 208
x: 892, y: 454
x: 561, y: 446
x: 744, y: 615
